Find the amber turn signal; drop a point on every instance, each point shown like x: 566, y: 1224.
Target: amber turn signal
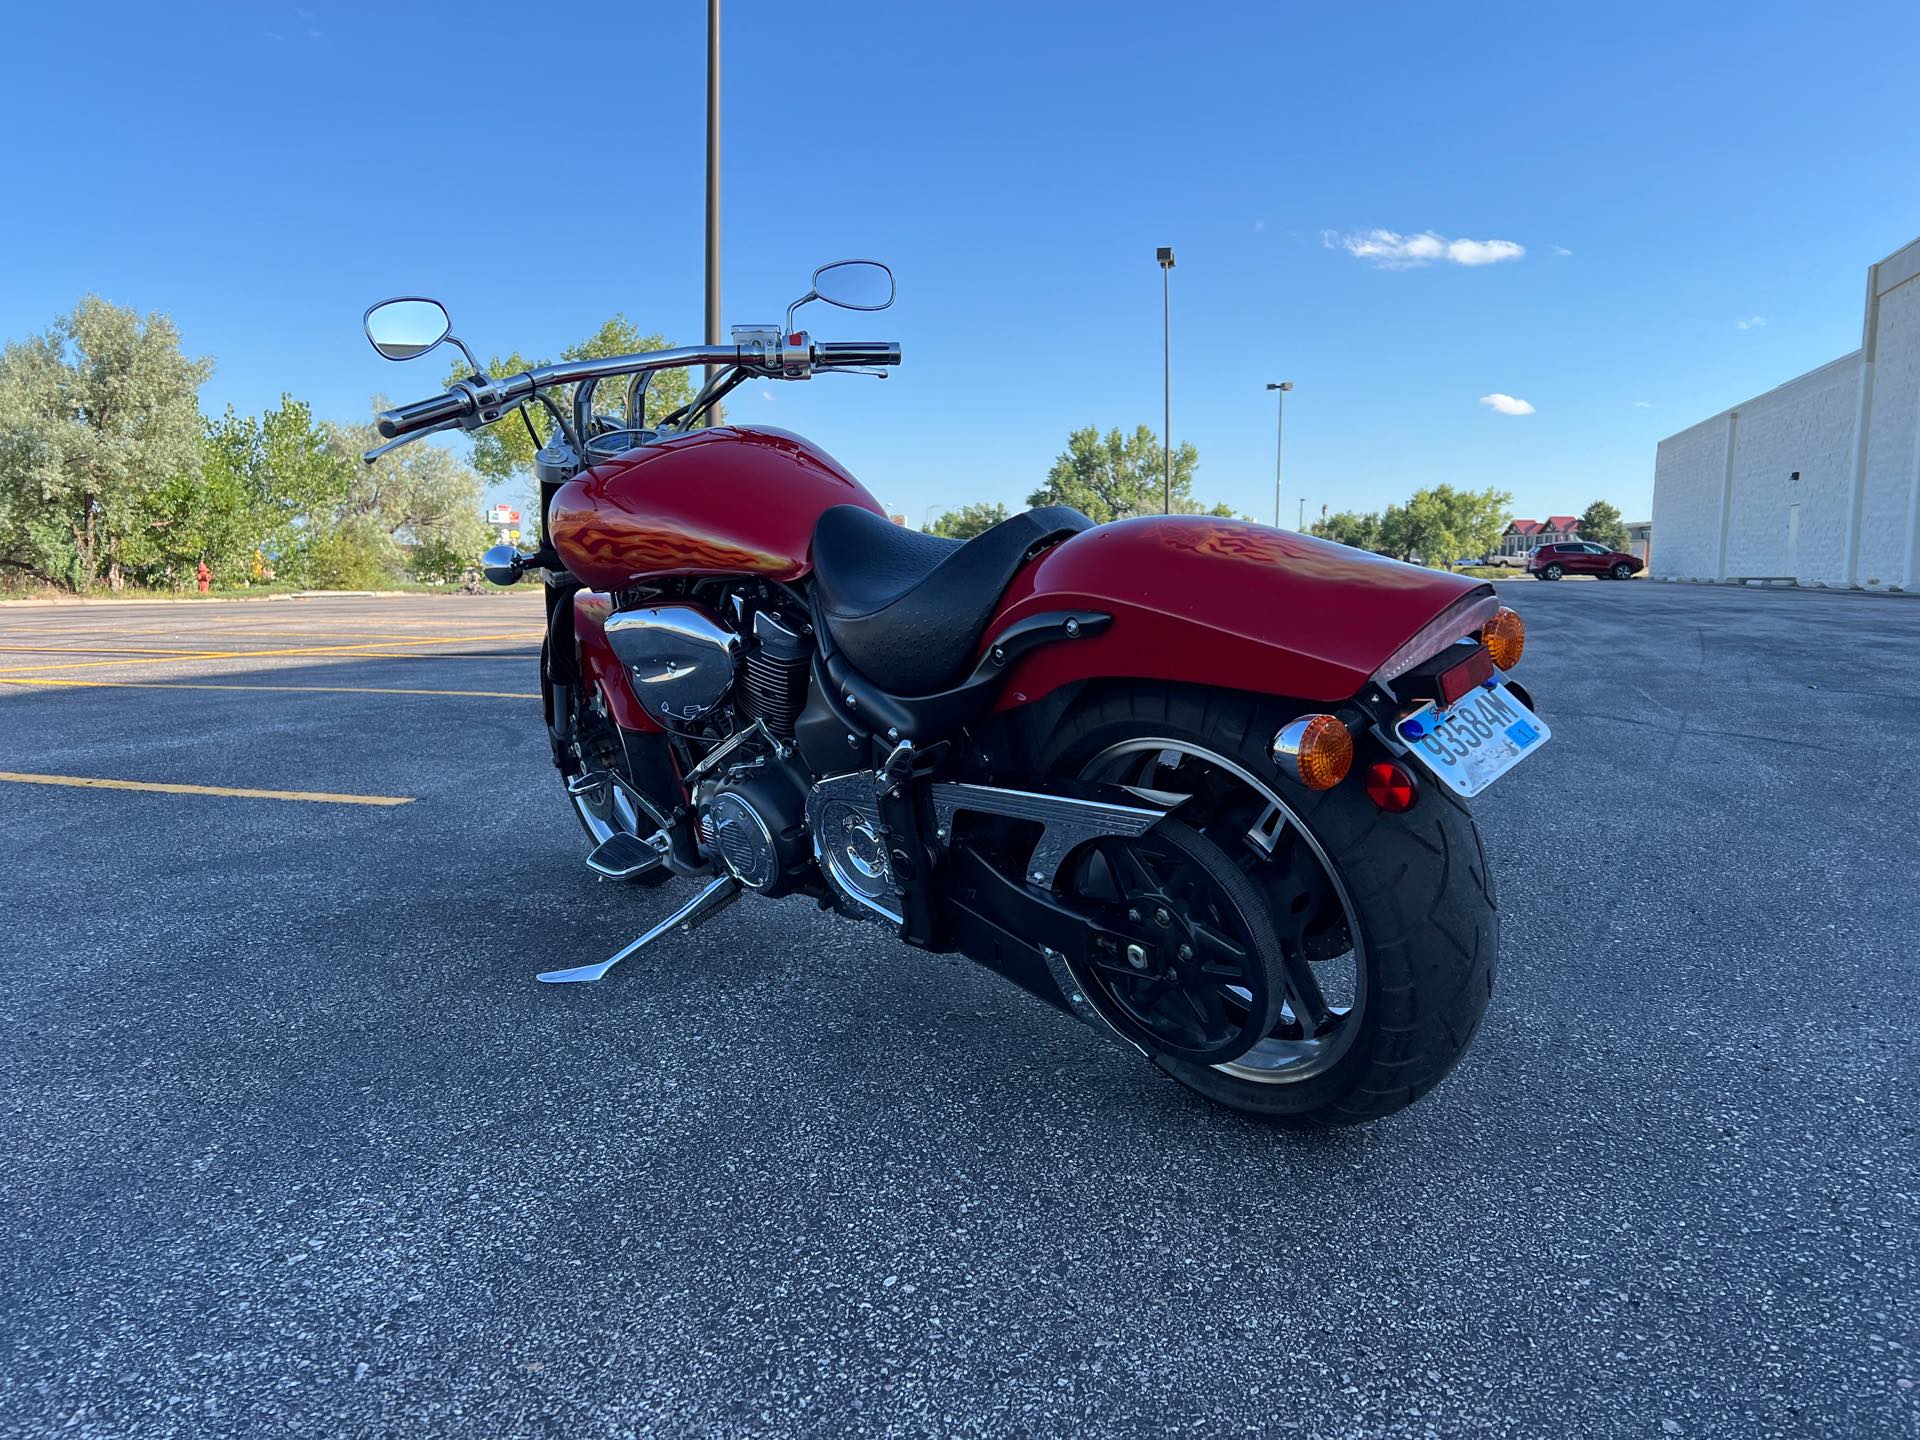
x: 1316, y: 750
x: 1505, y: 636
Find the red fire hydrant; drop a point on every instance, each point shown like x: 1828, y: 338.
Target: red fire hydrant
x: 204, y: 576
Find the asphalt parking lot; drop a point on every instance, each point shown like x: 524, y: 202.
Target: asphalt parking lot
x: 292, y: 1144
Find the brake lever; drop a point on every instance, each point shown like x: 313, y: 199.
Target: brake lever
x: 374, y: 454
x: 876, y: 373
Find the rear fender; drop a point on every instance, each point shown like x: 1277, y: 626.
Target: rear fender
x: 600, y: 668
x: 1225, y: 603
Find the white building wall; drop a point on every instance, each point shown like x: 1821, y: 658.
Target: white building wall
x: 1892, y: 466
x: 1778, y: 526
x: 1725, y: 505
x: 1689, y: 478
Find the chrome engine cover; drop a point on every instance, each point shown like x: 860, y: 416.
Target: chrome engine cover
x: 744, y: 839
x: 844, y: 819
x: 680, y: 661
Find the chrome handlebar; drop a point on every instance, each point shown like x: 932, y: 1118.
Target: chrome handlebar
x: 475, y: 402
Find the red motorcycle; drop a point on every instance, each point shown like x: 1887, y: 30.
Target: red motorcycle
x: 1196, y: 781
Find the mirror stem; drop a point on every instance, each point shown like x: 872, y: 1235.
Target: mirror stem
x: 472, y: 364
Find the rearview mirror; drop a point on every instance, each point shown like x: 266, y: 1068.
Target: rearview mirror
x: 406, y: 327
x: 854, y: 284
x: 501, y: 564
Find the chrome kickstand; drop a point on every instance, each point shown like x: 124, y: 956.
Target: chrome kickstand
x: 713, y: 897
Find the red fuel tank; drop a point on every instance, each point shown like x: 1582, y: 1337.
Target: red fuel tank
x: 725, y: 501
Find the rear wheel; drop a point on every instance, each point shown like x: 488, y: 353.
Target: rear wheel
x: 1553, y: 572
x: 1384, y: 924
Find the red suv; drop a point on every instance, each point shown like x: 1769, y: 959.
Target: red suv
x: 1581, y: 557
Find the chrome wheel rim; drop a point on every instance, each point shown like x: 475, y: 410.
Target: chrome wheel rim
x: 1290, y: 1053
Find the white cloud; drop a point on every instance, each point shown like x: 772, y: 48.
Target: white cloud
x: 1752, y: 322
x: 1561, y: 250
x: 1643, y: 404
x: 1506, y: 404
x: 766, y: 394
x: 1391, y: 250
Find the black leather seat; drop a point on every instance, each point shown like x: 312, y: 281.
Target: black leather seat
x: 907, y: 609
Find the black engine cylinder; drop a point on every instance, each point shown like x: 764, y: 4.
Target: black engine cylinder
x: 773, y: 679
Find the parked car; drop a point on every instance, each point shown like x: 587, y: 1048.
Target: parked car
x: 1581, y: 557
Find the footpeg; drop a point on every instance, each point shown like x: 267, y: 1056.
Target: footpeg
x: 588, y: 784
x: 712, y: 898
x: 622, y: 856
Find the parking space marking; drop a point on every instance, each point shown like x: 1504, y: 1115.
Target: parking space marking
x: 359, y: 649
x: 304, y: 689
x: 96, y: 783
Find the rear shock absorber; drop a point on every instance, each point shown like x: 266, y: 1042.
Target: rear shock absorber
x: 773, y: 681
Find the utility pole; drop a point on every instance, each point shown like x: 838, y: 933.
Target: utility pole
x: 1302, y: 526
x: 713, y: 186
x: 1279, y: 434
x: 1165, y: 256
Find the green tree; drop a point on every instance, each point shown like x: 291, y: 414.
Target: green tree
x: 1350, y: 527
x: 95, y: 415
x: 1601, y: 524
x: 504, y: 449
x: 1115, y: 476
x: 969, y: 520
x: 264, y: 487
x: 409, y: 497
x: 438, y: 561
x: 1439, y: 524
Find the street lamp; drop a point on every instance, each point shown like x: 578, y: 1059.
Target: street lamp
x: 1279, y: 434
x: 1165, y: 256
x: 713, y: 189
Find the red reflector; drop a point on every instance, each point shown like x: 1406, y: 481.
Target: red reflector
x: 1390, y: 785
x: 1457, y: 680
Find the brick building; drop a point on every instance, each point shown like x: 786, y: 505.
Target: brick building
x: 1520, y: 536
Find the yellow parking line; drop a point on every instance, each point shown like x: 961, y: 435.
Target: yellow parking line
x: 93, y: 783
x: 306, y: 689
x: 360, y: 648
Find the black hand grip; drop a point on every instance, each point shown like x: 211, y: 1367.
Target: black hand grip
x: 856, y: 352
x: 422, y: 413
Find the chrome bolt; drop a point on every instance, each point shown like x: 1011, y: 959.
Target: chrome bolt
x: 1072, y: 628
x: 853, y: 742
x: 892, y: 734
x: 1039, y: 877
x: 1185, y: 952
x: 999, y: 655
x: 1136, y: 957
x: 1162, y: 918
x: 1134, y: 915
x: 851, y: 702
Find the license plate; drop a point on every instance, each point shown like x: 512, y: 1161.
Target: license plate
x: 1482, y: 737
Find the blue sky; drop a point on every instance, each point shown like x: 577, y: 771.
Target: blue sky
x: 1697, y: 190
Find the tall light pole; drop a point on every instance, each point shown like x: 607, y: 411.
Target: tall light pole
x: 1279, y: 435
x: 713, y: 184
x: 1165, y: 256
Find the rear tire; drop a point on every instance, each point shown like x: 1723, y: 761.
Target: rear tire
x: 1416, y: 890
x: 1552, y: 572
